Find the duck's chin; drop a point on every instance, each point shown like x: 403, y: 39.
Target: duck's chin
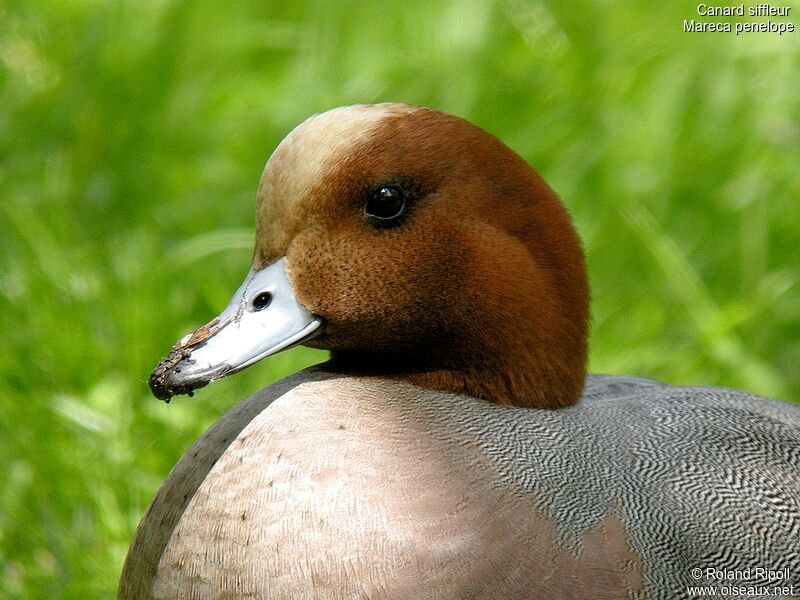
x: 319, y: 343
x: 361, y: 346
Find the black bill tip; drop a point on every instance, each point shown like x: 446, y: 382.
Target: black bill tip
x: 174, y: 375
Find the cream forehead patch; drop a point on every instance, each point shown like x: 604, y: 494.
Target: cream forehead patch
x: 300, y: 161
x: 315, y: 146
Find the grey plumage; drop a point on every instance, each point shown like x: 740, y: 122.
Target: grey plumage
x: 698, y: 478
x: 701, y: 476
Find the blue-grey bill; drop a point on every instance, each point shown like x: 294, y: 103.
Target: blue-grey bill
x: 263, y: 318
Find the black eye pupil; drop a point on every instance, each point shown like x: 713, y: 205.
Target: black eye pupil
x: 387, y: 202
x: 262, y: 300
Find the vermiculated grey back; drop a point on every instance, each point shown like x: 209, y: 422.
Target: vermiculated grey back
x: 702, y: 478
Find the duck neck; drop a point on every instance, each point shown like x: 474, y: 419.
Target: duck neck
x: 524, y: 380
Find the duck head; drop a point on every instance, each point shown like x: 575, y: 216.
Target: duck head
x: 414, y: 246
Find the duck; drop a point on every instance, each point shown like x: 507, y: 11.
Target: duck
x: 453, y: 446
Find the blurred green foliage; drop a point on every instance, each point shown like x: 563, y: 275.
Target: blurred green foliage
x: 132, y: 137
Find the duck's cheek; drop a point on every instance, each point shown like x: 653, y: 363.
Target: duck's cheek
x: 345, y: 275
x: 363, y: 283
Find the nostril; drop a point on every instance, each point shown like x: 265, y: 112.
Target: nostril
x: 262, y: 300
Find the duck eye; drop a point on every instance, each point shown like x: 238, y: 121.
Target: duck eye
x: 386, y: 203
x: 262, y: 300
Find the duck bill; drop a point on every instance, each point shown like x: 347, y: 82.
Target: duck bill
x: 262, y: 318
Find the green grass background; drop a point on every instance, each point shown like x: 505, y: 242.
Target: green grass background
x: 132, y: 137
